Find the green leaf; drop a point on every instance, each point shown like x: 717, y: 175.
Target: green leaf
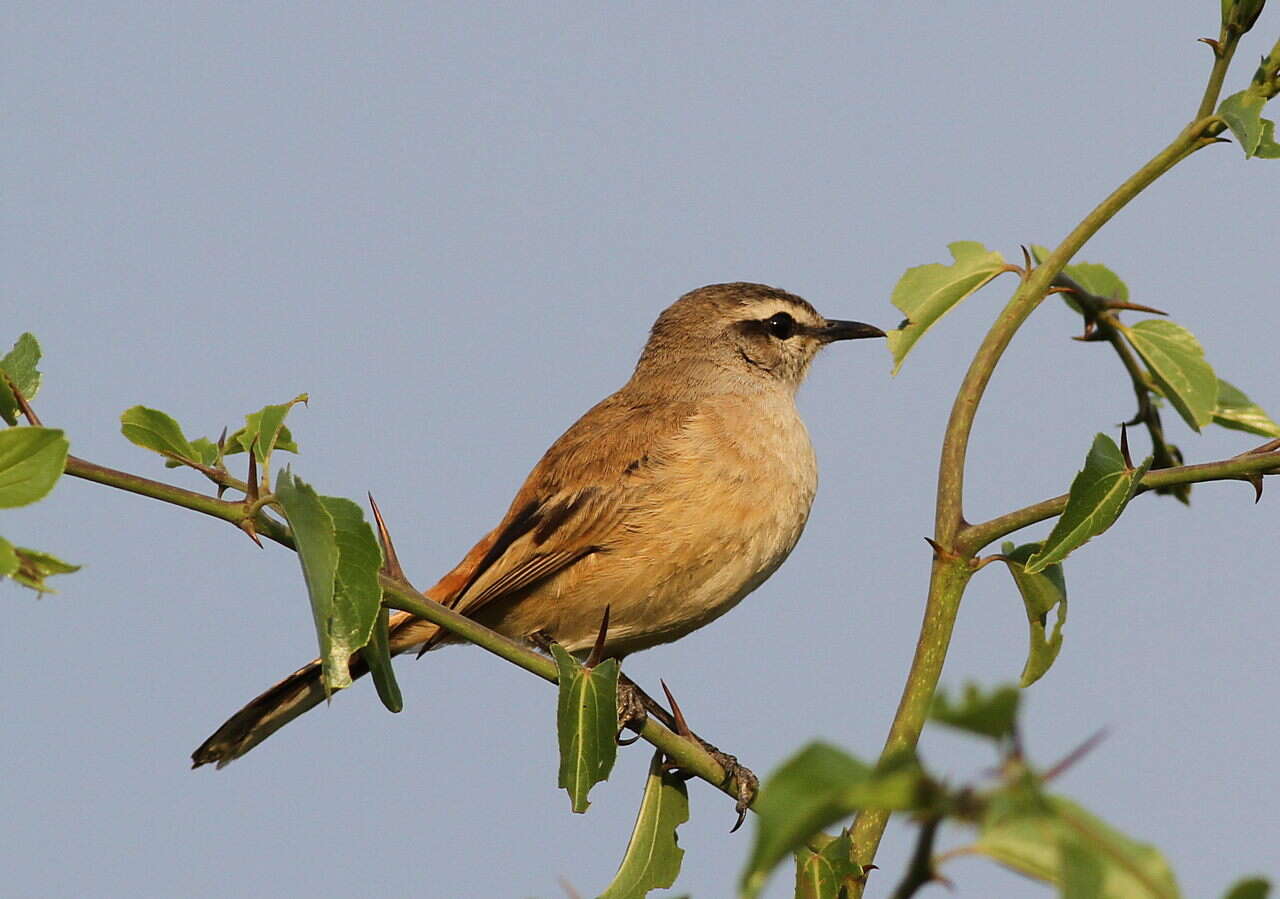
x: 31, y: 461
x: 1177, y: 362
x: 653, y: 856
x: 1249, y: 888
x: 822, y: 875
x: 206, y: 453
x: 927, y: 292
x: 357, y: 596
x: 8, y: 402
x: 1243, y: 114
x: 378, y: 657
x: 29, y: 567
x: 817, y: 787
x: 1082, y: 871
x: 315, y: 537
x: 993, y: 715
x: 1098, y: 495
x: 266, y: 426
x: 154, y: 430
x: 1041, y: 592
x: 1267, y: 147
x: 20, y: 365
x: 586, y: 724
x: 1237, y: 411
x: 340, y: 560
x: 34, y: 566
x: 8, y: 558
x: 1057, y: 841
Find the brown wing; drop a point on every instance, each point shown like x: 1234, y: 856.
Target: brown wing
x: 573, y: 504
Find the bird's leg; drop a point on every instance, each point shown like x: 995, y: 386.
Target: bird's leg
x: 632, y: 709
x: 640, y: 705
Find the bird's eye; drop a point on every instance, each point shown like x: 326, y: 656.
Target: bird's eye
x: 781, y: 326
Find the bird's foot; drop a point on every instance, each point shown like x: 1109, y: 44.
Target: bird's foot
x: 632, y: 713
x: 741, y: 778
x: 738, y: 777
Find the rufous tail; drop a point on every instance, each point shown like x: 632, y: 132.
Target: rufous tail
x: 297, y: 693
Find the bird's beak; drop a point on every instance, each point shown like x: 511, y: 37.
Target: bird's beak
x: 841, y: 330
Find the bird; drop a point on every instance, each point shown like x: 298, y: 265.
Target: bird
x: 667, y: 502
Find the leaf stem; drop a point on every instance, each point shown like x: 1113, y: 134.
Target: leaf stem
x: 949, y: 514
x: 946, y: 587
x: 974, y: 537
x: 227, y: 510
x: 950, y: 575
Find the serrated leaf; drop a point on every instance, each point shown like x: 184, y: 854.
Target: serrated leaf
x: 266, y: 427
x: 927, y: 292
x: 1057, y: 841
x: 154, y: 430
x: 1099, y: 493
x: 586, y: 724
x: 34, y: 566
x: 992, y: 714
x: 377, y: 655
x: 653, y: 857
x: 818, y: 786
x: 20, y: 365
x: 1243, y: 114
x: 1249, y: 888
x: 822, y: 875
x: 340, y: 559
x: 1176, y: 360
x: 1041, y: 592
x: 1238, y: 412
x: 31, y: 461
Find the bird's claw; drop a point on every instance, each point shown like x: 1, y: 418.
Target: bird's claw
x: 631, y: 711
x: 747, y: 784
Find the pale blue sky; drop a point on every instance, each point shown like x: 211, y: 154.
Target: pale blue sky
x: 452, y: 224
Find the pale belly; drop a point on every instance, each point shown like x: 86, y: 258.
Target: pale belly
x: 713, y: 534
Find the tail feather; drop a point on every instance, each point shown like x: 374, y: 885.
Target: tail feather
x: 298, y: 693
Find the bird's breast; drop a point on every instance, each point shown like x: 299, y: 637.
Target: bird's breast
x: 721, y: 516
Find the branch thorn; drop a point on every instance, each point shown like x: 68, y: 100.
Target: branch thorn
x: 252, y: 493
x: 390, y: 562
x: 1124, y: 447
x: 1074, y: 756
x: 249, y: 528
x: 1212, y: 44
x: 941, y: 551
x: 597, y: 651
x: 682, y: 726
x: 1135, y: 307
x: 1256, y: 481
